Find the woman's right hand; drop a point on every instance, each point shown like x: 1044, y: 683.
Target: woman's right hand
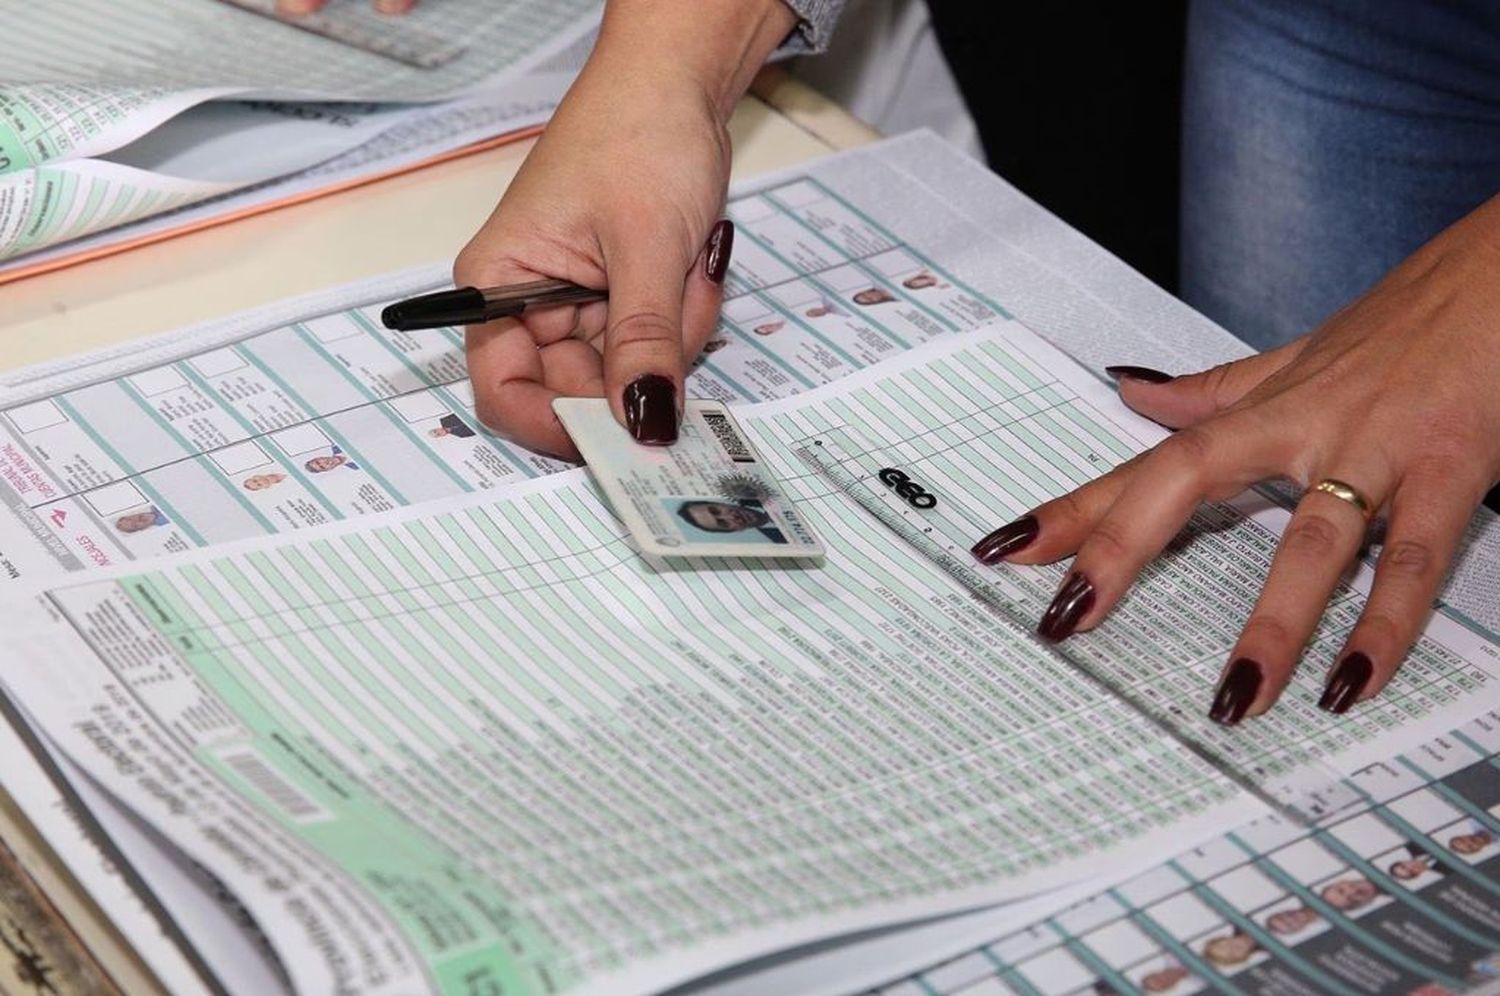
x: 624, y: 190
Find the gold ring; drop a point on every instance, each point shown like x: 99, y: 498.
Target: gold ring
x: 1343, y: 492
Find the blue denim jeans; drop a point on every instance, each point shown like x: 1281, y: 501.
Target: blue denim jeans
x: 1323, y: 141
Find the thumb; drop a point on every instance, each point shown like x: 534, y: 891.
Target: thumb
x: 643, y: 341
x: 1176, y: 402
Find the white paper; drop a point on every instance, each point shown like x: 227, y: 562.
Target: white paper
x: 1379, y: 896
x: 849, y: 631
x: 1021, y: 256
x: 176, y: 45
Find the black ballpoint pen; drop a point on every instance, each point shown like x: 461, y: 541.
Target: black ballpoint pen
x: 474, y: 305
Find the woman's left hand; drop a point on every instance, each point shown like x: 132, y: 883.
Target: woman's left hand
x: 1397, y: 396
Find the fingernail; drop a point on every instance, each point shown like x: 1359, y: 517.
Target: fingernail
x: 720, y: 245
x: 1138, y: 373
x: 651, y: 410
x: 1071, y: 603
x: 392, y: 6
x: 1237, y: 689
x: 1006, y: 540
x: 294, y: 8
x: 1345, y: 684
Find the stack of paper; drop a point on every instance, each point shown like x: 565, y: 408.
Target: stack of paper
x: 477, y: 743
x: 113, y: 113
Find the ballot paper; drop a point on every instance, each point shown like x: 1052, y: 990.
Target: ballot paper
x: 128, y: 184
x: 86, y: 77
x: 140, y: 53
x: 934, y: 242
x: 709, y: 494
x: 905, y: 209
x: 1400, y: 893
x: 351, y: 733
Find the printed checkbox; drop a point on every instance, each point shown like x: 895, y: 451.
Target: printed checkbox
x: 161, y: 380
x: 332, y: 328
x: 112, y: 499
x: 799, y: 194
x: 424, y: 406
x: 301, y: 439
x: 463, y: 391
x: 240, y: 458
x: 36, y: 416
x: 218, y: 363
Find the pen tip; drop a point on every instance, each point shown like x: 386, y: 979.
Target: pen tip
x: 392, y: 317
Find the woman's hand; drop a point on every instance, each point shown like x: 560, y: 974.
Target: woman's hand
x: 1397, y: 395
x: 623, y: 191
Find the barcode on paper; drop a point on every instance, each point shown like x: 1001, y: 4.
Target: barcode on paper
x: 723, y: 430
x: 268, y: 782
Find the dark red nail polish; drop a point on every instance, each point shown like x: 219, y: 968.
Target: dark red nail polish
x: 1348, y: 680
x: 651, y: 410
x: 1006, y: 540
x: 1071, y: 603
x: 1240, y: 685
x: 720, y: 246
x: 1139, y: 373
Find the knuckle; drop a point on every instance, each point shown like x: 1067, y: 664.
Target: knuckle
x: 643, y: 327
x: 1069, y: 512
x: 468, y: 267
x: 1189, y: 450
x: 1411, y: 560
x: 488, y: 411
x: 1267, y: 630
x: 1214, y: 383
x: 1449, y: 437
x: 1311, y: 535
x: 1108, y: 541
x: 1379, y: 627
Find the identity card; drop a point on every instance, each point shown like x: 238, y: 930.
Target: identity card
x: 707, y: 495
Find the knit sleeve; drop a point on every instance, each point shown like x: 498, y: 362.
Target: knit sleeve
x: 815, y: 21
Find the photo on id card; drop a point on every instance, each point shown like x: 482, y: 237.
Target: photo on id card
x: 707, y: 495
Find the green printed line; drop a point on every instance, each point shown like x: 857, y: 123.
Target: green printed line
x: 796, y: 320
x: 771, y: 355
x: 495, y: 443
x: 313, y: 415
x: 1202, y: 969
x: 488, y: 603
x: 381, y: 404
x: 135, y: 475
x: 809, y: 277
x: 1009, y: 975
x: 67, y: 189
x: 1484, y: 752
x: 290, y: 466
x: 1406, y: 896
x: 395, y: 624
x: 1468, y: 808
x: 1085, y: 954
x: 167, y: 427
x: 898, y: 243
x: 1263, y: 938
x: 894, y: 285
x: 475, y: 669
x: 719, y: 373
x: 557, y: 636
x: 1348, y: 924
x: 1071, y: 412
x: 997, y: 355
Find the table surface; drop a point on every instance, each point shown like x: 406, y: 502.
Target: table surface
x: 52, y: 938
